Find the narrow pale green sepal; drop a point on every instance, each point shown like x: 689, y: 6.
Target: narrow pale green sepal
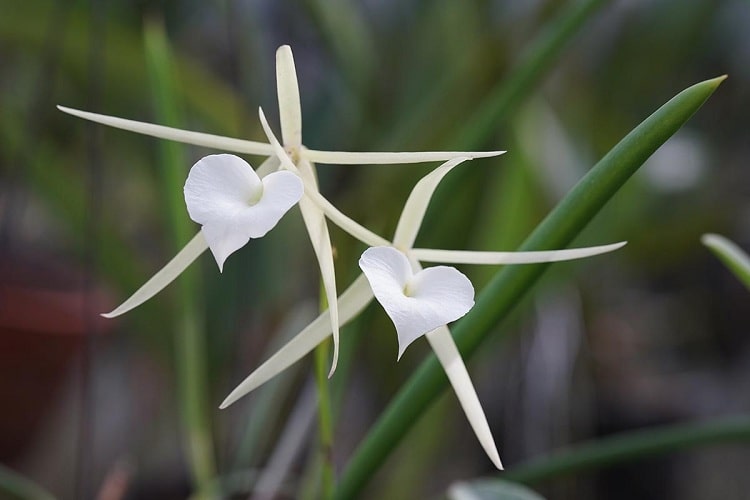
x: 174, y: 134
x: 447, y: 353
x: 317, y: 229
x: 287, y: 89
x: 353, y: 158
x: 498, y: 258
x: 731, y: 255
x: 164, y: 277
x: 416, y: 205
x: 351, y: 302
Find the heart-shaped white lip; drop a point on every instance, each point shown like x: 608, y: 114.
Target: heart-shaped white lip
x: 225, y: 195
x: 416, y: 302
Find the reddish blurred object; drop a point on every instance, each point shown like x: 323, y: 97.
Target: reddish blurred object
x: 45, y: 315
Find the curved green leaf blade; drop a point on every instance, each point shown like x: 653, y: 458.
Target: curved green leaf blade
x: 557, y: 230
x: 731, y: 255
x: 632, y: 445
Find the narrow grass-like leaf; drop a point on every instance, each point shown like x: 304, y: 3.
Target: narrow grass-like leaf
x: 189, y: 327
x: 630, y: 446
x: 535, y: 62
x: 557, y: 230
x: 731, y: 255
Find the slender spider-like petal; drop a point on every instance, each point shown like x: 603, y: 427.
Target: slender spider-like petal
x: 417, y: 302
x: 175, y: 134
x: 164, y: 277
x: 345, y: 222
x: 225, y: 195
x: 317, y: 229
x: 416, y: 206
x: 497, y: 258
x: 287, y: 90
x: 447, y: 353
x: 350, y: 303
x: 368, y: 158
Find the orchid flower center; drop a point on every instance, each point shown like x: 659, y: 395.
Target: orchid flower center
x: 255, y: 196
x: 293, y: 153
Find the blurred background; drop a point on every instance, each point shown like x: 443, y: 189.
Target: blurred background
x: 655, y: 333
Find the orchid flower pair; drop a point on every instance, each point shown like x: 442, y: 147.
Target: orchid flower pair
x: 234, y: 203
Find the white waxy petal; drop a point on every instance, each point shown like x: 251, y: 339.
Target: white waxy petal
x: 225, y: 195
x: 416, y: 302
x: 413, y: 213
x: 287, y: 89
x: 350, y: 303
x: 447, y: 353
x: 387, y: 158
x: 164, y: 277
x: 497, y: 258
x: 175, y: 134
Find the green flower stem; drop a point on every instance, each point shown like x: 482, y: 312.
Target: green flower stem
x: 629, y: 446
x: 189, y: 334
x: 16, y: 486
x: 325, y: 413
x: 506, y: 289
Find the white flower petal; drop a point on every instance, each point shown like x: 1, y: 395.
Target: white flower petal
x: 269, y: 165
x: 367, y: 158
x: 445, y: 349
x: 416, y: 303
x: 534, y: 257
x: 287, y: 89
x: 317, y: 229
x: 228, y: 199
x: 175, y: 134
x: 164, y: 277
x: 416, y: 206
x: 350, y: 303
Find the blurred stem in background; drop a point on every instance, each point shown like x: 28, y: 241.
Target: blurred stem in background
x: 188, y: 322
x: 14, y: 485
x: 630, y: 446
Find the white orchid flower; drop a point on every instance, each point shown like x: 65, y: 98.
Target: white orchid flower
x: 302, y: 159
x: 420, y: 302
